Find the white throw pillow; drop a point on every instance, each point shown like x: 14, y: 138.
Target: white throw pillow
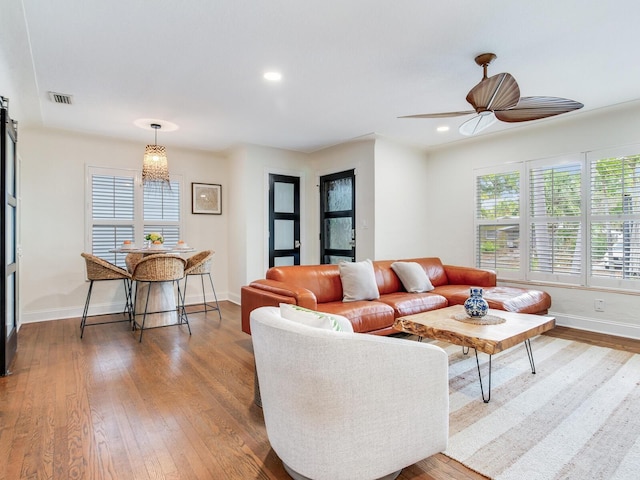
x: 413, y: 277
x: 358, y: 281
x: 312, y: 318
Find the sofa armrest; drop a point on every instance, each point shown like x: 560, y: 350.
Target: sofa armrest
x: 303, y: 297
x: 271, y: 293
x: 477, y: 277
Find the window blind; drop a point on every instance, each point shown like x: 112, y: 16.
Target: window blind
x: 497, y: 221
x: 615, y: 217
x: 555, y: 243
x: 112, y: 211
x: 162, y: 213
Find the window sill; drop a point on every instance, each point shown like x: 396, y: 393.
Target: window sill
x: 567, y: 286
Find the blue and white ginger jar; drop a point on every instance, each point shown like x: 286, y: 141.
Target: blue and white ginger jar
x: 475, y: 305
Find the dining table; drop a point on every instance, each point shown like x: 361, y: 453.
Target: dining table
x: 162, y: 297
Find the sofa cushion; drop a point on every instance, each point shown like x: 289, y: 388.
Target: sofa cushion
x: 405, y: 304
x: 413, y: 277
x: 315, y: 319
x: 510, y: 299
x: 358, y: 281
x: 365, y: 315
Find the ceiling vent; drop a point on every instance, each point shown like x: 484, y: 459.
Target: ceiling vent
x: 60, y: 98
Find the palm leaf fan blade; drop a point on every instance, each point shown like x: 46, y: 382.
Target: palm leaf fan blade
x: 499, y: 92
x: 441, y: 115
x: 535, y: 108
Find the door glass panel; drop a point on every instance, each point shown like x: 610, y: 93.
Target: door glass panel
x: 11, y: 183
x: 335, y: 259
x: 10, y: 250
x: 283, y: 231
x: 10, y: 304
x: 283, y: 261
x: 339, y: 195
x: 283, y: 197
x: 338, y: 233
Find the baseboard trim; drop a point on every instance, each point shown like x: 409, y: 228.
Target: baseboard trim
x: 608, y: 327
x: 97, y: 309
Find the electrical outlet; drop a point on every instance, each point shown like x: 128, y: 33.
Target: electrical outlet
x: 598, y: 304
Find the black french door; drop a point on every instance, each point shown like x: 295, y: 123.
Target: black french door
x: 338, y: 217
x: 8, y: 234
x: 284, y: 220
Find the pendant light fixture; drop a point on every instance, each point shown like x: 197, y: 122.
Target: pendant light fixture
x: 155, y: 168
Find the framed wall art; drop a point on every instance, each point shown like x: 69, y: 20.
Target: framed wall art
x: 206, y: 198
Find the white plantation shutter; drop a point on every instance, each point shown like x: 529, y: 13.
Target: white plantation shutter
x: 615, y: 217
x: 555, y: 210
x: 112, y: 212
x: 162, y: 212
x: 497, y: 220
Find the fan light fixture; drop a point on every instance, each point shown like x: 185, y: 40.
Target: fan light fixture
x: 478, y: 123
x: 155, y: 167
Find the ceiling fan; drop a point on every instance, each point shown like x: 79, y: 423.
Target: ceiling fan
x: 498, y: 98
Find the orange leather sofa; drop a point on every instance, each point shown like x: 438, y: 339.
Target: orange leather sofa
x: 318, y: 287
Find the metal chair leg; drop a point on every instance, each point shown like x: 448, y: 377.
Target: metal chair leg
x: 213, y: 289
x: 182, y: 312
x: 144, y: 316
x: 204, y: 295
x: 83, y: 322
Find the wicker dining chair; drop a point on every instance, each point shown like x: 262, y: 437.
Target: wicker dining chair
x: 131, y: 260
x: 101, y: 270
x: 154, y: 269
x: 200, y: 264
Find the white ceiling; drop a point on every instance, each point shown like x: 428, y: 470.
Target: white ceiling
x: 350, y: 67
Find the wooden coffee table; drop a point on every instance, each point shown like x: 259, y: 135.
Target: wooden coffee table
x: 490, y: 339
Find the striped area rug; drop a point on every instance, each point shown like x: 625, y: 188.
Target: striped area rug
x: 577, y: 418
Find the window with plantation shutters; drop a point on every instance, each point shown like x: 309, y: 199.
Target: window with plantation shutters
x: 498, y: 222
x: 120, y: 208
x: 614, y: 216
x: 579, y: 225
x: 555, y: 221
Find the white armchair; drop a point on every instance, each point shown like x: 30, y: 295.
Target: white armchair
x: 348, y: 406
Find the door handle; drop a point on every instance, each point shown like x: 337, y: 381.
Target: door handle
x: 296, y: 244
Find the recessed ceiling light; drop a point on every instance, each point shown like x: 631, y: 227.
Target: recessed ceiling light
x: 273, y: 76
x: 443, y: 128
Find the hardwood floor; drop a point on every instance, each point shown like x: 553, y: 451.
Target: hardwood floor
x: 172, y: 407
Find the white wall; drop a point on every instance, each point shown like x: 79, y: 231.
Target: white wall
x: 450, y: 196
x: 358, y: 155
x: 52, y: 209
x: 250, y: 178
x: 401, y: 186
x: 238, y: 198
